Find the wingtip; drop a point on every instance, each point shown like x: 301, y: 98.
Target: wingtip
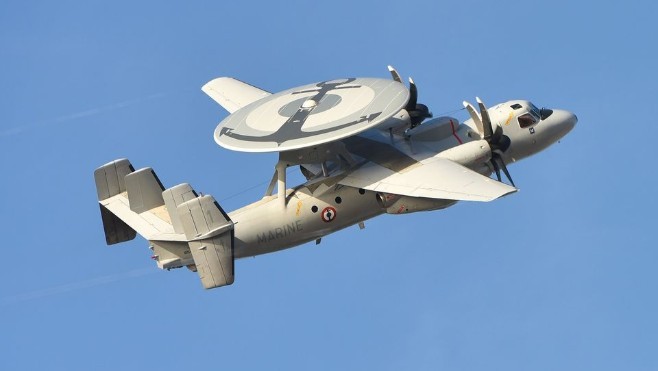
x: 510, y: 192
x: 210, y: 84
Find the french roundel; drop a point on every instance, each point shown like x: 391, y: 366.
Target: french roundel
x: 328, y: 214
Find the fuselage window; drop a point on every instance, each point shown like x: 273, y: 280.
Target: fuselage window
x: 527, y: 120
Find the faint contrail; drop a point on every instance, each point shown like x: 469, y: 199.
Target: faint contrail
x: 74, y: 286
x: 77, y: 115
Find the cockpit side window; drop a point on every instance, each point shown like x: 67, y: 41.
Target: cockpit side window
x: 516, y: 106
x: 527, y: 120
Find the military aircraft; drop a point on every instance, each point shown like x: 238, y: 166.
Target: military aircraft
x: 365, y: 146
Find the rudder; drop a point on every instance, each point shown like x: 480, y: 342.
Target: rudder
x: 209, y: 231
x: 110, y: 182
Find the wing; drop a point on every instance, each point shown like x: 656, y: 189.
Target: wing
x: 435, y: 178
x: 233, y: 94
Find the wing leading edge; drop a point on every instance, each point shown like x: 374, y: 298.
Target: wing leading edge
x: 233, y: 94
x: 437, y: 178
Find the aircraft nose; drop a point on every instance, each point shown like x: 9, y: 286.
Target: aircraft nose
x: 571, y: 120
x: 565, y: 121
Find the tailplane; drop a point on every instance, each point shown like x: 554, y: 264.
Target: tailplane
x: 182, y: 228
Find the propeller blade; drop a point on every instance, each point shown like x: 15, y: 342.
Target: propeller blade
x: 417, y: 112
x: 413, y: 96
x: 498, y: 163
x: 394, y: 74
x: 494, y: 162
x: 498, y: 142
x: 486, y: 121
x: 504, y: 167
x: 475, y: 116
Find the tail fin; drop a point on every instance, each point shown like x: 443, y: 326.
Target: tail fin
x: 182, y: 228
x: 110, y: 182
x: 144, y: 190
x: 210, y: 234
x: 175, y: 196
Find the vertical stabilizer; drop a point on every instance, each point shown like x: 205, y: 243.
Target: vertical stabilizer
x: 144, y: 190
x: 210, y: 234
x: 110, y: 182
x: 110, y: 178
x: 175, y: 196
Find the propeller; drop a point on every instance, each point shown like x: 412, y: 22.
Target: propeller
x: 417, y: 111
x: 498, y: 142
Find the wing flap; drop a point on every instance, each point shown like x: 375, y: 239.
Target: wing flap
x: 437, y: 178
x: 233, y: 94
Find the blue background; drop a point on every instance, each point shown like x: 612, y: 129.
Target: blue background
x: 561, y: 275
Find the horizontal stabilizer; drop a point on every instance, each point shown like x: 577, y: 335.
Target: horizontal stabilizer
x: 437, y: 178
x: 131, y: 201
x: 182, y: 228
x: 210, y: 232
x: 233, y: 94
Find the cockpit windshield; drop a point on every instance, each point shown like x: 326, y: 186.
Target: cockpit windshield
x: 530, y: 118
x: 535, y: 111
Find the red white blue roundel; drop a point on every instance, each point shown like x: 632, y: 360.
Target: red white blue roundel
x: 328, y: 214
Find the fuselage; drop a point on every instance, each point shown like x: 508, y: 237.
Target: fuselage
x: 321, y: 206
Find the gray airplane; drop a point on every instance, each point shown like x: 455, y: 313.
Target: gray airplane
x: 366, y: 147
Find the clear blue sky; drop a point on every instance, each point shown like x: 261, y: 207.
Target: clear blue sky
x: 560, y: 276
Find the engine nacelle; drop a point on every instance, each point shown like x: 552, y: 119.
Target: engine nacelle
x: 472, y: 154
x: 434, y: 130
x: 386, y: 200
x: 397, y: 204
x: 397, y: 123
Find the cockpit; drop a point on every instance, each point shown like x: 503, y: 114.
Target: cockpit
x: 533, y: 116
x: 518, y: 128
